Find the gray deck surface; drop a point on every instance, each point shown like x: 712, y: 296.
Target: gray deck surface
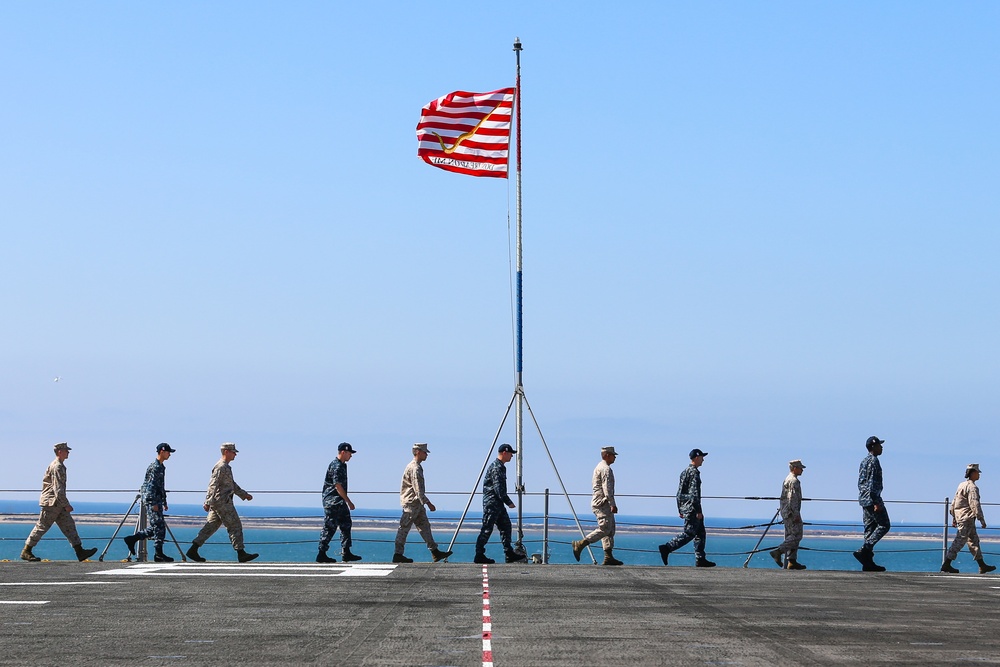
x: 68, y: 613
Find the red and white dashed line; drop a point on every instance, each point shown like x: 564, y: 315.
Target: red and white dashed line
x: 487, y: 622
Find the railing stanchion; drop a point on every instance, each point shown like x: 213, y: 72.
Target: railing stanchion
x: 944, y: 545
x: 545, y: 531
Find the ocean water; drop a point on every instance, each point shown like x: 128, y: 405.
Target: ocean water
x: 897, y: 552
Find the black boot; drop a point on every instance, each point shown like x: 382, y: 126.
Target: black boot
x: 130, y: 541
x: 439, y: 555
x: 83, y: 554
x: 160, y: 557
x: 514, y: 557
x: 984, y: 568
x: 947, y: 566
x: 776, y: 555
x: 349, y: 557
x: 193, y: 554
x: 664, y: 553
x: 704, y: 562
x: 400, y: 558
x: 866, y: 557
x: 243, y: 557
x: 321, y: 557
x: 483, y: 559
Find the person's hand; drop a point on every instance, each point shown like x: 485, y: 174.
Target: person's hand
x: 350, y: 505
x: 511, y: 504
x: 431, y: 507
x: 614, y: 509
x: 248, y: 497
x: 155, y: 508
x: 205, y: 506
x: 954, y: 524
x: 69, y: 508
x: 699, y: 515
x: 983, y: 523
x: 875, y: 508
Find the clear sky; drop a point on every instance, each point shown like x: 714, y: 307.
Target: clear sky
x: 768, y: 230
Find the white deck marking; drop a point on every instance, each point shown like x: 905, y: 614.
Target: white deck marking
x: 253, y: 570
x: 60, y: 583
x: 24, y: 601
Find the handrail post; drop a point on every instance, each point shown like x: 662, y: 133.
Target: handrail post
x: 944, y: 545
x: 545, y: 531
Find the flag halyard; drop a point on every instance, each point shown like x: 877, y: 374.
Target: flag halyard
x: 468, y: 133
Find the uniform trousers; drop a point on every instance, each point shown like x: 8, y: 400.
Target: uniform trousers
x: 793, y: 535
x: 415, y: 515
x: 337, y: 517
x: 157, y: 530
x: 876, y: 524
x: 219, y: 516
x: 966, y: 533
x: 59, y: 516
x: 694, y: 529
x: 494, y: 515
x: 605, y: 527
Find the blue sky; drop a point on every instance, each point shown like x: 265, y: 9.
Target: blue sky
x: 767, y: 230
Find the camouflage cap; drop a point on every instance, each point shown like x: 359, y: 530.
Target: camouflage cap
x: 973, y: 466
x: 796, y: 463
x: 61, y: 446
x: 421, y: 447
x: 229, y: 447
x: 608, y: 450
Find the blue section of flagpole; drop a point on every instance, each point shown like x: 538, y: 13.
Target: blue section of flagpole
x: 520, y: 345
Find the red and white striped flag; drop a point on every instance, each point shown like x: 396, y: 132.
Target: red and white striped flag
x: 467, y: 132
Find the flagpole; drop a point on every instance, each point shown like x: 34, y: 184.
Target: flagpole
x: 519, y: 387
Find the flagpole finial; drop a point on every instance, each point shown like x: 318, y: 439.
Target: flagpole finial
x: 517, y: 43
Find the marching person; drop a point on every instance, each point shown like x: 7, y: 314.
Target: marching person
x: 221, y: 510
x: 605, y: 508
x: 965, y: 511
x: 494, y: 513
x: 55, y: 508
x: 337, y: 507
x: 413, y: 498
x: 874, y: 514
x: 689, y: 509
x: 154, y: 497
x: 791, y: 518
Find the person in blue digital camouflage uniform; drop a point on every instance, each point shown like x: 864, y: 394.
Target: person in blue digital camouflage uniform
x: 494, y: 513
x: 874, y: 514
x: 689, y: 509
x: 154, y: 498
x: 337, y: 507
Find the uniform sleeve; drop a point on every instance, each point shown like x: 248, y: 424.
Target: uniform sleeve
x: 59, y: 486
x: 974, y: 505
x: 419, y: 484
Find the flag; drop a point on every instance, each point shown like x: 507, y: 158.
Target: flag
x: 467, y: 132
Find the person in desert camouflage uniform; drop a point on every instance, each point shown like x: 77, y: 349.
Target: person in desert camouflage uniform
x: 965, y: 511
x: 55, y: 509
x: 412, y: 497
x: 221, y: 510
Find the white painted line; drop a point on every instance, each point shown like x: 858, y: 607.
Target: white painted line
x: 61, y: 583
x: 487, y: 622
x: 24, y: 601
x: 257, y: 570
